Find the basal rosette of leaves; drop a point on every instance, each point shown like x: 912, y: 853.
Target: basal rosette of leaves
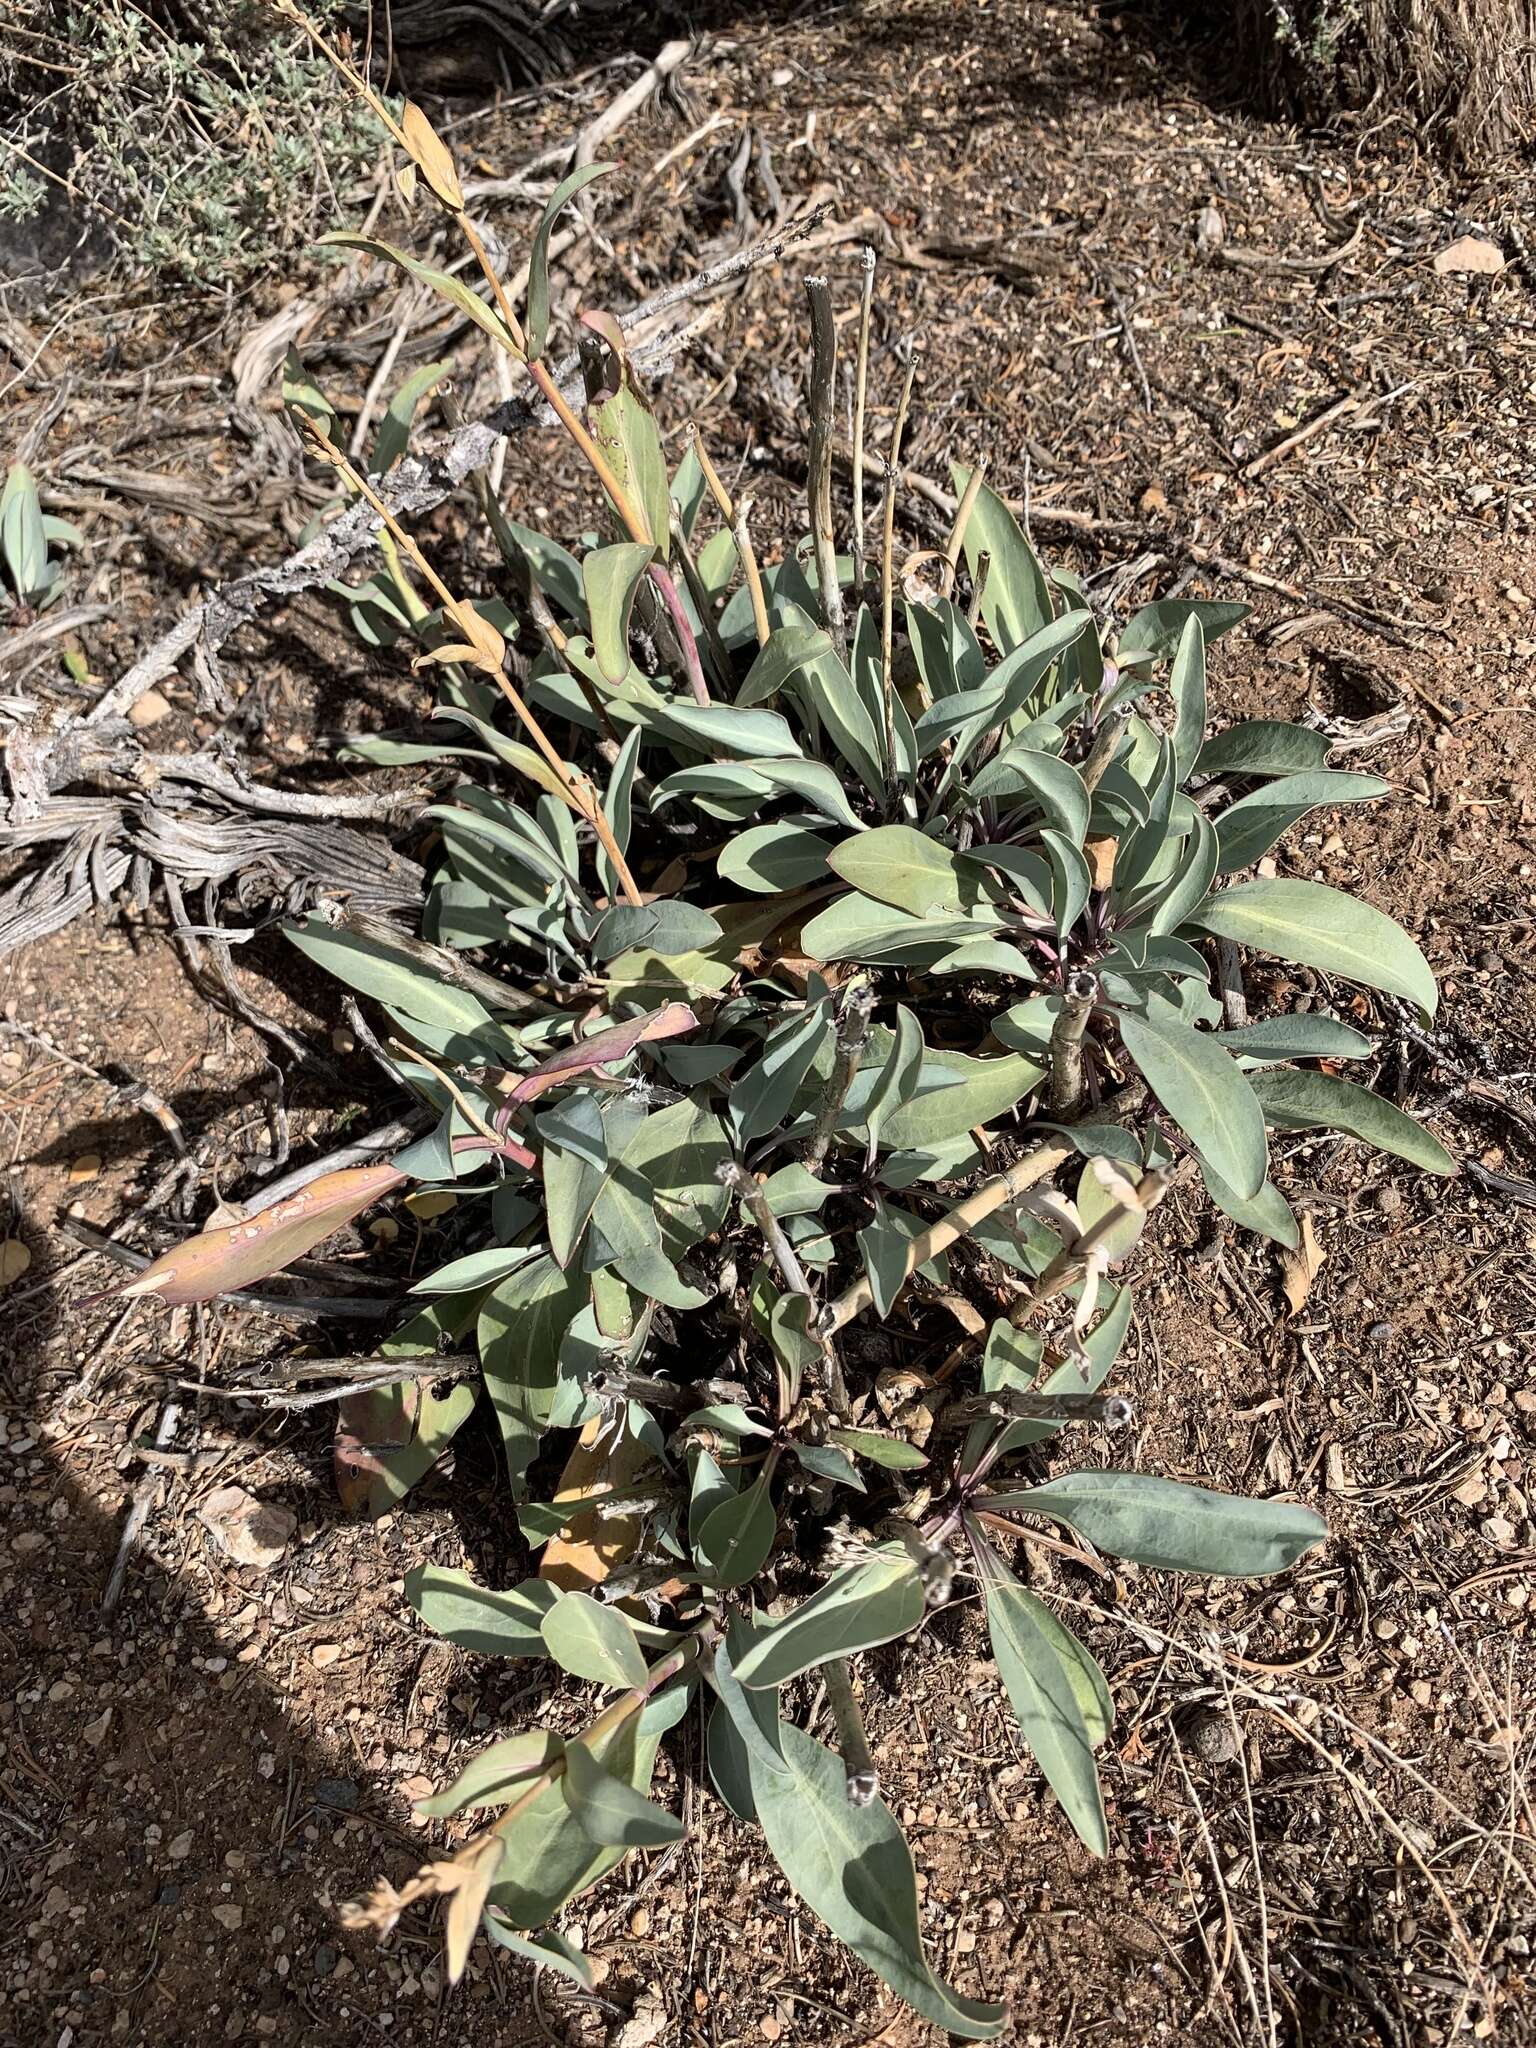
x: 856, y: 945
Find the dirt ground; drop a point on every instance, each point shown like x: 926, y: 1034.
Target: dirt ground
x: 1318, y: 1787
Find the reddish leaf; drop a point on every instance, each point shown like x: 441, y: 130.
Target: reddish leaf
x: 588, y: 1054
x: 236, y: 1254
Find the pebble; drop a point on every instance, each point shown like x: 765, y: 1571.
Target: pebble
x: 230, y: 1917
x: 338, y: 1792
x: 252, y: 1532
x: 326, y: 1959
x: 149, y: 710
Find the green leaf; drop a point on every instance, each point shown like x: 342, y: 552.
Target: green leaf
x: 548, y: 1949
x: 537, y: 316
x: 478, y: 1618
x: 773, y: 859
x: 863, y: 1605
x: 1159, y: 628
x: 727, y: 729
x: 893, y: 1452
x: 856, y: 927
x: 1204, y: 1091
x: 981, y: 1091
x: 1298, y: 1037
x: 1299, y: 1100
x: 1017, y: 599
x: 371, y: 969
x: 393, y: 437
x: 676, y: 1156
x: 496, y: 1776
x: 826, y: 686
x: 761, y: 1098
x: 593, y: 1641
x: 828, y: 1462
x: 669, y: 928
x: 852, y: 1868
x: 1264, y: 746
x: 301, y: 394
x: 1053, y: 786
x: 816, y: 783
x: 608, y: 1810
x: 897, y: 1081
x: 1060, y: 1698
x: 895, y: 864
x: 1186, y: 685
x: 610, y: 577
x: 625, y: 431
x: 737, y: 1536
x: 1247, y: 829
x: 522, y: 1323
x: 453, y: 289
x: 1267, y: 1212
x: 709, y: 1488
x: 476, y: 1270
x: 1174, y: 1527
x: 1315, y: 926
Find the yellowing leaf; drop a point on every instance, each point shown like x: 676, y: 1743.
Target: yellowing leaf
x: 430, y: 153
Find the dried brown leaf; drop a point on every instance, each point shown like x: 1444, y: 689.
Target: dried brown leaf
x: 238, y: 1254
x: 1300, y: 1266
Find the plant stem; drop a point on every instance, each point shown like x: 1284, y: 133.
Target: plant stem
x: 1071, y: 1260
x: 682, y: 627
x: 722, y: 497
x: 747, y: 1188
x: 579, y: 793
x: 976, y: 1207
x: 860, y: 390
x: 1229, y: 979
x: 633, y: 517
x: 742, y: 535
x: 962, y: 520
x: 862, y: 1779
x: 852, y: 1036
x: 719, y: 660
x: 1066, y: 1055
x: 888, y: 570
x: 820, y: 395
x: 1105, y: 747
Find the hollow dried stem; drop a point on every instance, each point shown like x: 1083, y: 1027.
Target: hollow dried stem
x: 861, y: 1779
x: 741, y: 533
x: 962, y: 520
x: 888, y: 566
x: 1066, y: 1052
x: 820, y: 395
x: 860, y: 392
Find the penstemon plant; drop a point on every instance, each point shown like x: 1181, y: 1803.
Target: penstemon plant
x: 866, y: 938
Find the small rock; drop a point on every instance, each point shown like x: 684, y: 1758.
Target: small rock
x: 1213, y: 1738
x: 168, y: 1895
x: 86, y: 1167
x: 1498, y: 1529
x: 180, y: 1848
x: 1210, y: 231
x: 149, y: 710
x: 230, y: 1917
x: 1153, y: 499
x: 324, y: 1654
x: 1470, y: 256
x: 14, y: 1260
x: 338, y: 1792
x: 326, y: 1959
x: 252, y: 1532
x: 95, y: 1732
